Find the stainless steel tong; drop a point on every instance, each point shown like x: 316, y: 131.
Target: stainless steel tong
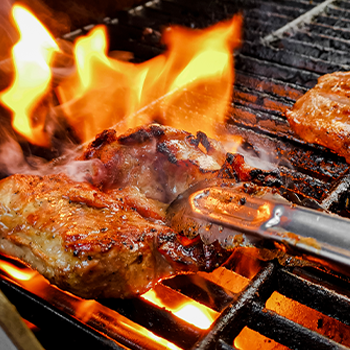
x: 222, y: 213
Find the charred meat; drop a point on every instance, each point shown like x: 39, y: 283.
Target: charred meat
x: 161, y: 162
x: 106, y: 237
x: 322, y: 115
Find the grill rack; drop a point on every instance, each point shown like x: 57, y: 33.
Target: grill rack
x: 315, y: 288
x: 287, y: 46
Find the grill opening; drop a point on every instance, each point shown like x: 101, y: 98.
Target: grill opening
x: 272, y: 304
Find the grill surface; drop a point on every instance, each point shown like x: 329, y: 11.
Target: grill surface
x: 287, y: 46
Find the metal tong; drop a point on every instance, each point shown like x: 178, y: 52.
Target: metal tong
x: 227, y: 212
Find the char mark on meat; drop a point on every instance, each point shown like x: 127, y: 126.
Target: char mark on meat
x: 109, y: 239
x: 85, y: 241
x: 160, y: 161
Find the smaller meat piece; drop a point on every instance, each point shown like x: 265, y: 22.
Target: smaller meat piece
x: 322, y: 115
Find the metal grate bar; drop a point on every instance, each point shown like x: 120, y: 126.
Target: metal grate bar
x: 292, y: 59
x: 176, y: 331
x: 276, y: 71
x: 315, y: 50
x: 224, y: 346
x: 290, y: 92
x: 315, y: 296
x: 336, y: 32
x: 322, y: 40
x: 298, y: 22
x: 280, y: 329
x: 332, y: 21
x: 35, y: 310
x: 338, y: 12
x: 233, y: 319
x: 201, y: 290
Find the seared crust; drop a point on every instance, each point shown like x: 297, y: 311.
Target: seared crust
x: 85, y: 241
x: 322, y: 115
x: 161, y: 162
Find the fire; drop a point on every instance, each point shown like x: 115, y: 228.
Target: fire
x: 31, y: 56
x: 181, y: 306
x: 143, y: 331
x: 18, y: 274
x: 249, y: 339
x: 226, y: 278
x: 309, y: 318
x: 107, y: 91
x: 90, y: 312
x: 189, y: 86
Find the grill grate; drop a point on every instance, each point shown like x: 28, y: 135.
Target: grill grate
x: 287, y: 46
x: 100, y: 327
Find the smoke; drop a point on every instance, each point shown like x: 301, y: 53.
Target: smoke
x: 263, y: 161
x: 14, y: 161
x: 87, y: 170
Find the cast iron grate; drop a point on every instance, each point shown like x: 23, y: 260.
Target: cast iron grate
x: 325, y: 294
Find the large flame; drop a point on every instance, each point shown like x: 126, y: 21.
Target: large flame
x: 31, y: 56
x: 188, y: 87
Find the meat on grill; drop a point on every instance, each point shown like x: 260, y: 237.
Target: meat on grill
x: 161, y: 162
x: 322, y: 115
x: 109, y: 240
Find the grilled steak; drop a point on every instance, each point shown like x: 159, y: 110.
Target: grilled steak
x: 106, y: 237
x: 161, y: 162
x: 322, y: 115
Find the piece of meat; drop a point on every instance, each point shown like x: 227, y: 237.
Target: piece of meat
x: 92, y: 243
x: 105, y: 236
x: 103, y: 232
x: 322, y: 115
x: 161, y: 162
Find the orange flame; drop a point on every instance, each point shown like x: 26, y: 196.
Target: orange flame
x: 31, y: 56
x: 249, y: 339
x: 161, y: 341
x: 84, y: 310
x: 185, y: 308
x: 187, y: 87
x: 17, y: 273
x: 309, y: 318
x: 106, y: 92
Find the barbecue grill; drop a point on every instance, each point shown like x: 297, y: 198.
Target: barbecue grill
x: 287, y: 46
